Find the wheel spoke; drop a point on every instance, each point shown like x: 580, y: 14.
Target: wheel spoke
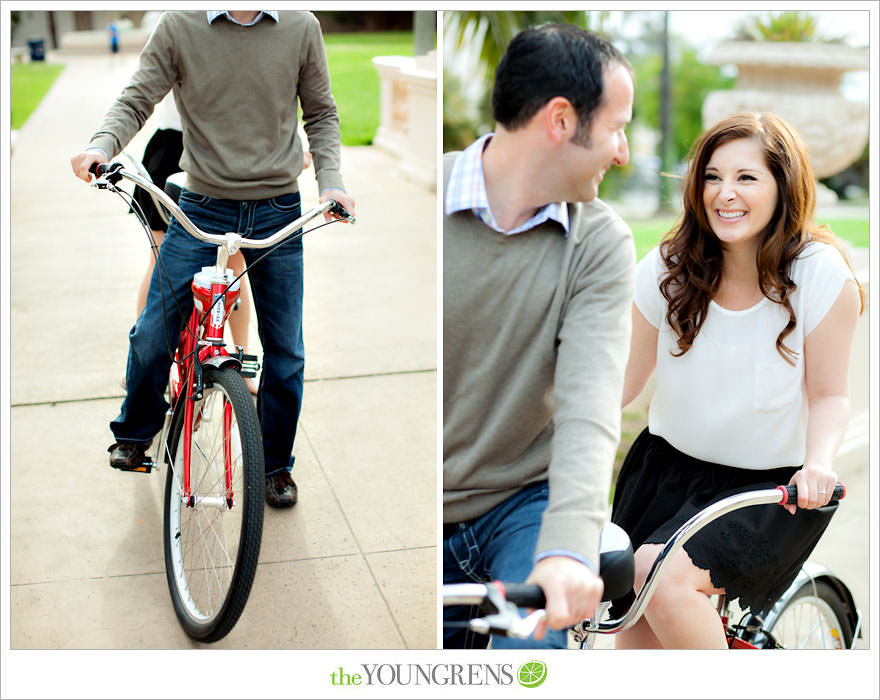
x: 810, y: 621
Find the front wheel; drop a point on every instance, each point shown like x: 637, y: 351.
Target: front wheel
x: 212, y: 539
x: 814, y: 618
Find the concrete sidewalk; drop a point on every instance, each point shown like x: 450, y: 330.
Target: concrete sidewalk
x: 353, y: 565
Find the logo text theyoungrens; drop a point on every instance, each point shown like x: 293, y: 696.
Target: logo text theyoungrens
x: 425, y: 674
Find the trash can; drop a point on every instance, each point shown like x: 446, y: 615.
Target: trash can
x: 38, y: 49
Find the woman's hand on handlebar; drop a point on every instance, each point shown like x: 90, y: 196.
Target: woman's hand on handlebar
x: 571, y: 589
x: 341, y: 198
x: 81, y: 163
x: 815, y: 484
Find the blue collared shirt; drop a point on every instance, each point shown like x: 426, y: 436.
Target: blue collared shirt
x: 466, y: 190
x: 214, y: 14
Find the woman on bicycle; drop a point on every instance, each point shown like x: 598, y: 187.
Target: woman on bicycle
x: 747, y: 312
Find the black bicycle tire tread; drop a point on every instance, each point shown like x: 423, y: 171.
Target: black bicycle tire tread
x: 828, y: 594
x: 252, y: 516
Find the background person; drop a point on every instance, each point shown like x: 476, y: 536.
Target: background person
x: 747, y: 312
x: 537, y: 283
x: 113, y: 31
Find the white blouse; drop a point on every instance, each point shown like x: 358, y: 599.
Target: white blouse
x: 731, y: 398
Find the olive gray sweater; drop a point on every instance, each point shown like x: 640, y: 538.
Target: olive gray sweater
x: 236, y: 90
x: 536, y: 333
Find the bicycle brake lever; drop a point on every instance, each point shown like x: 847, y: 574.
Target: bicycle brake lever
x: 508, y: 623
x: 340, y: 211
x: 502, y: 617
x: 105, y: 175
x: 525, y: 626
x: 100, y: 182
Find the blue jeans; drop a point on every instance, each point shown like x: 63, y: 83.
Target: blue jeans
x: 277, y: 288
x: 497, y: 546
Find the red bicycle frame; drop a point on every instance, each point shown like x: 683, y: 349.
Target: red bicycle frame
x: 200, y: 341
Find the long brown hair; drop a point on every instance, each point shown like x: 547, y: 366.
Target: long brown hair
x: 693, y: 254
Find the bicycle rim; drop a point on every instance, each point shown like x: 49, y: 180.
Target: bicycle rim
x: 815, y: 618
x: 211, y: 549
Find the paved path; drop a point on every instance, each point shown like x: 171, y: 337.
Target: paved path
x: 353, y: 564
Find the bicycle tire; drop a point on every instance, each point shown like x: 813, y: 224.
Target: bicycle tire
x: 211, y: 550
x: 815, y: 617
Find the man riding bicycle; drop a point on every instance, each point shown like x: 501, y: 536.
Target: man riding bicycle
x: 537, y: 280
x: 238, y: 78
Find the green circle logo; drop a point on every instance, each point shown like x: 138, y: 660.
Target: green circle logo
x: 532, y: 673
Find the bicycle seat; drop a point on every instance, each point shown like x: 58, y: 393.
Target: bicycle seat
x: 174, y: 185
x: 616, y: 563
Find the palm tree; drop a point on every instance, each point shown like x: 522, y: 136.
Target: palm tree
x: 499, y: 27
x: 783, y: 26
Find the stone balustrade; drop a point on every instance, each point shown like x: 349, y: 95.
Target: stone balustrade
x: 408, y: 114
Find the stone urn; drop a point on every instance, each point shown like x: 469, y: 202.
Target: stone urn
x: 800, y: 82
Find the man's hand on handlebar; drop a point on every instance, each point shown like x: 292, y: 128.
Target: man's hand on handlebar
x: 571, y: 589
x: 81, y: 163
x: 341, y: 198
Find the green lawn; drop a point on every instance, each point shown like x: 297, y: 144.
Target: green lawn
x: 353, y: 76
x: 28, y: 82
x: 647, y: 232
x: 355, y: 80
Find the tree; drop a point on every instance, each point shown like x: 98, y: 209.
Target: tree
x: 665, y: 189
x: 783, y: 26
x: 424, y: 31
x: 502, y: 26
x: 691, y: 81
x: 459, y: 128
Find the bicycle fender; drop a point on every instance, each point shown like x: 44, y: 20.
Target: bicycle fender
x: 810, y: 573
x: 220, y: 361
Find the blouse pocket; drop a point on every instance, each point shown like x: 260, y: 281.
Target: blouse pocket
x: 777, y: 384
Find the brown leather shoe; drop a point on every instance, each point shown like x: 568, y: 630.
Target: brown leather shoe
x: 281, y: 491
x: 130, y: 457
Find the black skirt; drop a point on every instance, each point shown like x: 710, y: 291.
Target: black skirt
x: 753, y: 553
x: 161, y: 159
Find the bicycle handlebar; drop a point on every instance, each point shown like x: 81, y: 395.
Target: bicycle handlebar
x: 790, y: 494
x: 525, y: 595
x: 108, y: 174
x: 500, y: 595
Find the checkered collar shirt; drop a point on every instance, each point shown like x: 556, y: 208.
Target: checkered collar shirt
x: 466, y: 190
x: 214, y: 14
